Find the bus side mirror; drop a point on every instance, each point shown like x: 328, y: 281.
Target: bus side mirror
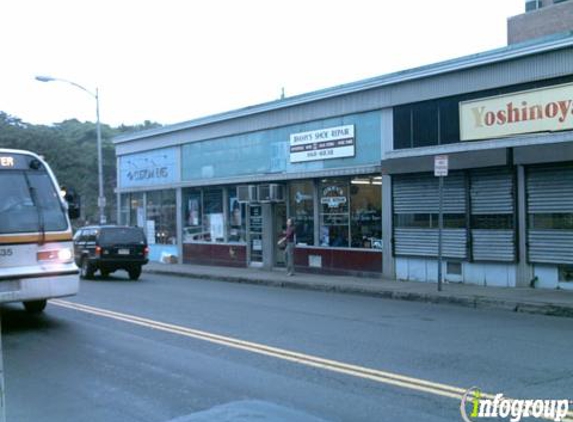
x: 74, y: 203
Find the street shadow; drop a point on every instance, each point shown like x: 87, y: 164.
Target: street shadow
x: 16, y: 320
x: 115, y: 278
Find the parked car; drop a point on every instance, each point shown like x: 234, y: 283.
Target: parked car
x: 110, y: 248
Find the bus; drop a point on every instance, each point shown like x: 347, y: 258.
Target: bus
x: 36, y: 249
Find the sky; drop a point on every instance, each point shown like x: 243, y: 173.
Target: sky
x: 171, y: 61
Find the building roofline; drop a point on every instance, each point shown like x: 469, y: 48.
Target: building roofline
x: 507, y: 53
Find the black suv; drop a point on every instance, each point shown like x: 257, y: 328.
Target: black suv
x: 110, y: 248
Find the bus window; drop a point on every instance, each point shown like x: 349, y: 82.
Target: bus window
x: 29, y: 200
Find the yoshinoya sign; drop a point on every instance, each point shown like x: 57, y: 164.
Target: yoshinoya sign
x: 323, y: 144
x: 539, y: 110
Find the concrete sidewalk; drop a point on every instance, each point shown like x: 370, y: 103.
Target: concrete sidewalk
x: 535, y: 301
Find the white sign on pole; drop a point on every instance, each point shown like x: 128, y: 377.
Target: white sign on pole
x: 440, y: 165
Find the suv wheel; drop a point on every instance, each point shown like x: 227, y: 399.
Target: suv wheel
x: 134, y: 273
x: 35, y: 306
x: 86, y: 269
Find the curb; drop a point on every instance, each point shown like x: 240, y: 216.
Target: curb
x: 473, y: 301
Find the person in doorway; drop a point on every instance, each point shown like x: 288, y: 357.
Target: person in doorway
x: 289, y: 250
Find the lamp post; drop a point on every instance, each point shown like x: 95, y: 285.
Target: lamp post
x: 101, y: 197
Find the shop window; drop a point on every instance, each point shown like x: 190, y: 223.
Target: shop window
x: 366, y: 212
x: 449, y: 122
x: 492, y: 222
x: 207, y: 220
x: 425, y: 124
x: 429, y: 221
x: 160, y: 223
x: 566, y: 273
x: 124, y: 209
x: 403, y: 127
x: 213, y: 218
x: 551, y: 221
x: 136, y: 210
x: 192, y: 214
x: 237, y: 218
x: 301, y: 208
x: 453, y: 268
x: 334, y: 213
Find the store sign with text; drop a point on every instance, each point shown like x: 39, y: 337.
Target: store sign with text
x: 151, y: 168
x: 323, y: 144
x: 547, y: 109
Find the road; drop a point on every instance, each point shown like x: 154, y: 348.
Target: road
x: 280, y: 355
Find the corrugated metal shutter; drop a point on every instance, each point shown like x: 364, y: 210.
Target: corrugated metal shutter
x: 551, y: 246
x: 418, y: 194
x: 424, y: 242
x: 492, y: 193
x: 493, y: 245
x: 550, y: 190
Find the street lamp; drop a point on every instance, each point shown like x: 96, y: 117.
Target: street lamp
x: 101, y: 197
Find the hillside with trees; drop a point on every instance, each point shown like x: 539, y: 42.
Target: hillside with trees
x: 70, y: 147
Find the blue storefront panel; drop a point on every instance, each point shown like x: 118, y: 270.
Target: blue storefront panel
x: 269, y: 151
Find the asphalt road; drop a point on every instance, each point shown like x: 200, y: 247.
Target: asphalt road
x: 155, y: 359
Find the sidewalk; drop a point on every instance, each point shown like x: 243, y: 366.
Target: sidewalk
x: 535, y: 301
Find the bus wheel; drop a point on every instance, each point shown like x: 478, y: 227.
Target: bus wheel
x: 86, y: 270
x: 35, y: 306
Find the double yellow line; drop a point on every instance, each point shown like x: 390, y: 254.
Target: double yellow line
x: 370, y: 374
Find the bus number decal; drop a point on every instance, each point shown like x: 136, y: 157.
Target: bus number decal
x: 6, y: 252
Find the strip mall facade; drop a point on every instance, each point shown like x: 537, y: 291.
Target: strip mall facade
x: 353, y: 165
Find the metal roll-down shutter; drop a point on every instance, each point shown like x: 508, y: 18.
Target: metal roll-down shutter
x: 550, y: 198
x: 417, y: 194
x: 492, y: 199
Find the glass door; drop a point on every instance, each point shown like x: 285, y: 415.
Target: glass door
x: 255, y: 235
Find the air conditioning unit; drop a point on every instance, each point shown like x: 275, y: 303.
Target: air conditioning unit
x: 277, y: 193
x: 271, y: 193
x: 264, y: 193
x: 247, y: 193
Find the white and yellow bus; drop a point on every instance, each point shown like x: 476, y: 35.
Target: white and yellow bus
x: 36, y: 250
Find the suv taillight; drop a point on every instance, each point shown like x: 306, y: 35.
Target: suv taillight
x: 98, y: 251
x: 146, y: 251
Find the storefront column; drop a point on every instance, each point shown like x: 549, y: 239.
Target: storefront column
x: 316, y: 211
x: 118, y: 195
x: 388, y: 262
x: 179, y: 223
x: 524, y: 271
x: 268, y: 246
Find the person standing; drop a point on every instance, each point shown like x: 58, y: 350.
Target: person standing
x: 289, y: 249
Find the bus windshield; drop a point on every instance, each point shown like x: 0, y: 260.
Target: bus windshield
x: 29, y: 203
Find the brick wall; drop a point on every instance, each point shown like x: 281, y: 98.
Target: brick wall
x: 549, y: 20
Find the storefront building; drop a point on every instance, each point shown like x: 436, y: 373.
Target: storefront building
x: 225, y: 201
x: 353, y: 166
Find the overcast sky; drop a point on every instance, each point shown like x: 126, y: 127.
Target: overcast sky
x: 174, y: 60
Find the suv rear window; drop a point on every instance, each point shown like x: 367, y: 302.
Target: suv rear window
x: 121, y: 235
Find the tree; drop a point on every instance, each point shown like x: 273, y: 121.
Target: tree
x: 70, y: 147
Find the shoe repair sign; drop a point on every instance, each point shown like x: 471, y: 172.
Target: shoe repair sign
x: 323, y: 144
